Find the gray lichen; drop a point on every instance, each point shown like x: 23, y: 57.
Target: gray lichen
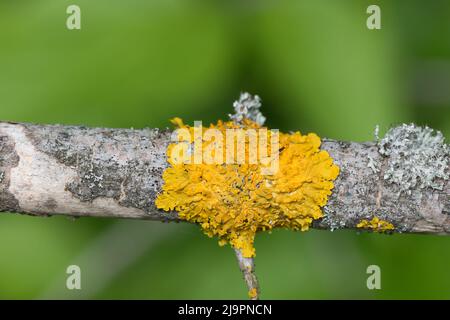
x: 372, y: 164
x: 247, y: 107
x: 376, y: 133
x: 360, y: 193
x: 416, y: 157
x: 332, y: 219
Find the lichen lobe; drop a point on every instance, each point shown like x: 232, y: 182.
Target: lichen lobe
x: 376, y: 225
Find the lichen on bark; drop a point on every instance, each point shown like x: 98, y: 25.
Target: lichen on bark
x: 404, y: 180
x: 234, y: 201
x: 416, y: 157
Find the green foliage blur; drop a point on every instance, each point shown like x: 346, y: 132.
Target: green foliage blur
x: 139, y: 63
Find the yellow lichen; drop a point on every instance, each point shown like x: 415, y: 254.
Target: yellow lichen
x: 252, y: 293
x: 376, y: 225
x: 234, y: 201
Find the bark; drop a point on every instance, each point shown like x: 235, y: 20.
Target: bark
x: 247, y: 267
x: 78, y: 171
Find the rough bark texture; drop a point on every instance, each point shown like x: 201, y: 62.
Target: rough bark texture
x: 361, y: 192
x: 78, y: 171
x: 82, y: 171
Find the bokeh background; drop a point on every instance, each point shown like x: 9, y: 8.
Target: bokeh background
x: 138, y: 63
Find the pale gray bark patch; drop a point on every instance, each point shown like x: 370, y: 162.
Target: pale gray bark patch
x: 50, y: 204
x: 123, y: 164
x: 8, y: 160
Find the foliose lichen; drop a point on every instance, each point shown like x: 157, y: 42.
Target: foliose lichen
x: 376, y: 225
x: 252, y: 293
x: 247, y: 107
x: 416, y: 157
x: 235, y: 201
x: 372, y: 164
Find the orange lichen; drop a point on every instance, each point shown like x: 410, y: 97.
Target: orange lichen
x: 376, y: 225
x: 252, y: 293
x: 234, y: 201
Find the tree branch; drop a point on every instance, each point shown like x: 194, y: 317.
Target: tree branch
x: 78, y: 171
x: 247, y: 267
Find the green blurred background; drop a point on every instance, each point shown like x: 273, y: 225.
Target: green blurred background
x: 138, y: 63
